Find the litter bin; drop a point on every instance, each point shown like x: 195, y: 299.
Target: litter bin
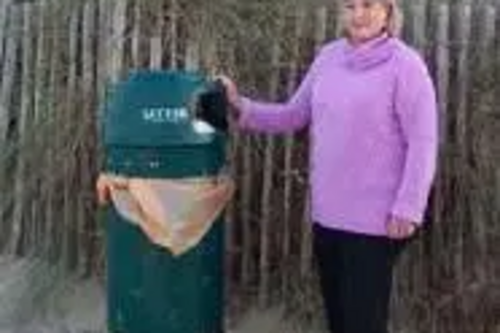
x: 150, y: 133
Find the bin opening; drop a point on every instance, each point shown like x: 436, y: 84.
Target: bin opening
x: 211, y: 106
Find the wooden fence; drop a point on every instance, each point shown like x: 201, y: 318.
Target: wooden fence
x: 56, y: 58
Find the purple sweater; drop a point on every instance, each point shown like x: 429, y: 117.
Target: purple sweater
x: 371, y: 111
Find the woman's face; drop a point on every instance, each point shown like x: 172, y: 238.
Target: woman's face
x: 365, y: 19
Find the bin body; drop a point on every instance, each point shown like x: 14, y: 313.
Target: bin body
x: 148, y: 133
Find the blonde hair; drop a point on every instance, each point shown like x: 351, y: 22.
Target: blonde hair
x: 395, y: 17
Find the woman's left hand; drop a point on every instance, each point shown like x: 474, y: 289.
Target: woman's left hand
x: 398, y: 228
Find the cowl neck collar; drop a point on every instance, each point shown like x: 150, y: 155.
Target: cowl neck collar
x: 369, y: 54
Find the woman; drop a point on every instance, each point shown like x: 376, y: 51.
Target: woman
x: 371, y: 110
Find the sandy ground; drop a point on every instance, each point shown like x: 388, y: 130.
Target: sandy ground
x: 35, y: 298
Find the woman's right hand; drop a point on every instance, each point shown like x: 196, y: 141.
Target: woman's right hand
x: 232, y: 95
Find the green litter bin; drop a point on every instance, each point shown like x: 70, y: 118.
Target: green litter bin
x: 149, y: 132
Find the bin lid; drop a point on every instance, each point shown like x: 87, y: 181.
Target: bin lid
x: 155, y: 108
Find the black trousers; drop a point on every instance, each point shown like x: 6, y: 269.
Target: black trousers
x: 356, y: 276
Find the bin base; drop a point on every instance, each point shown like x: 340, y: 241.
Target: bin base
x: 151, y: 291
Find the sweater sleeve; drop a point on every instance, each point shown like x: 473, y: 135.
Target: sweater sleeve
x: 290, y: 116
x: 415, y: 104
